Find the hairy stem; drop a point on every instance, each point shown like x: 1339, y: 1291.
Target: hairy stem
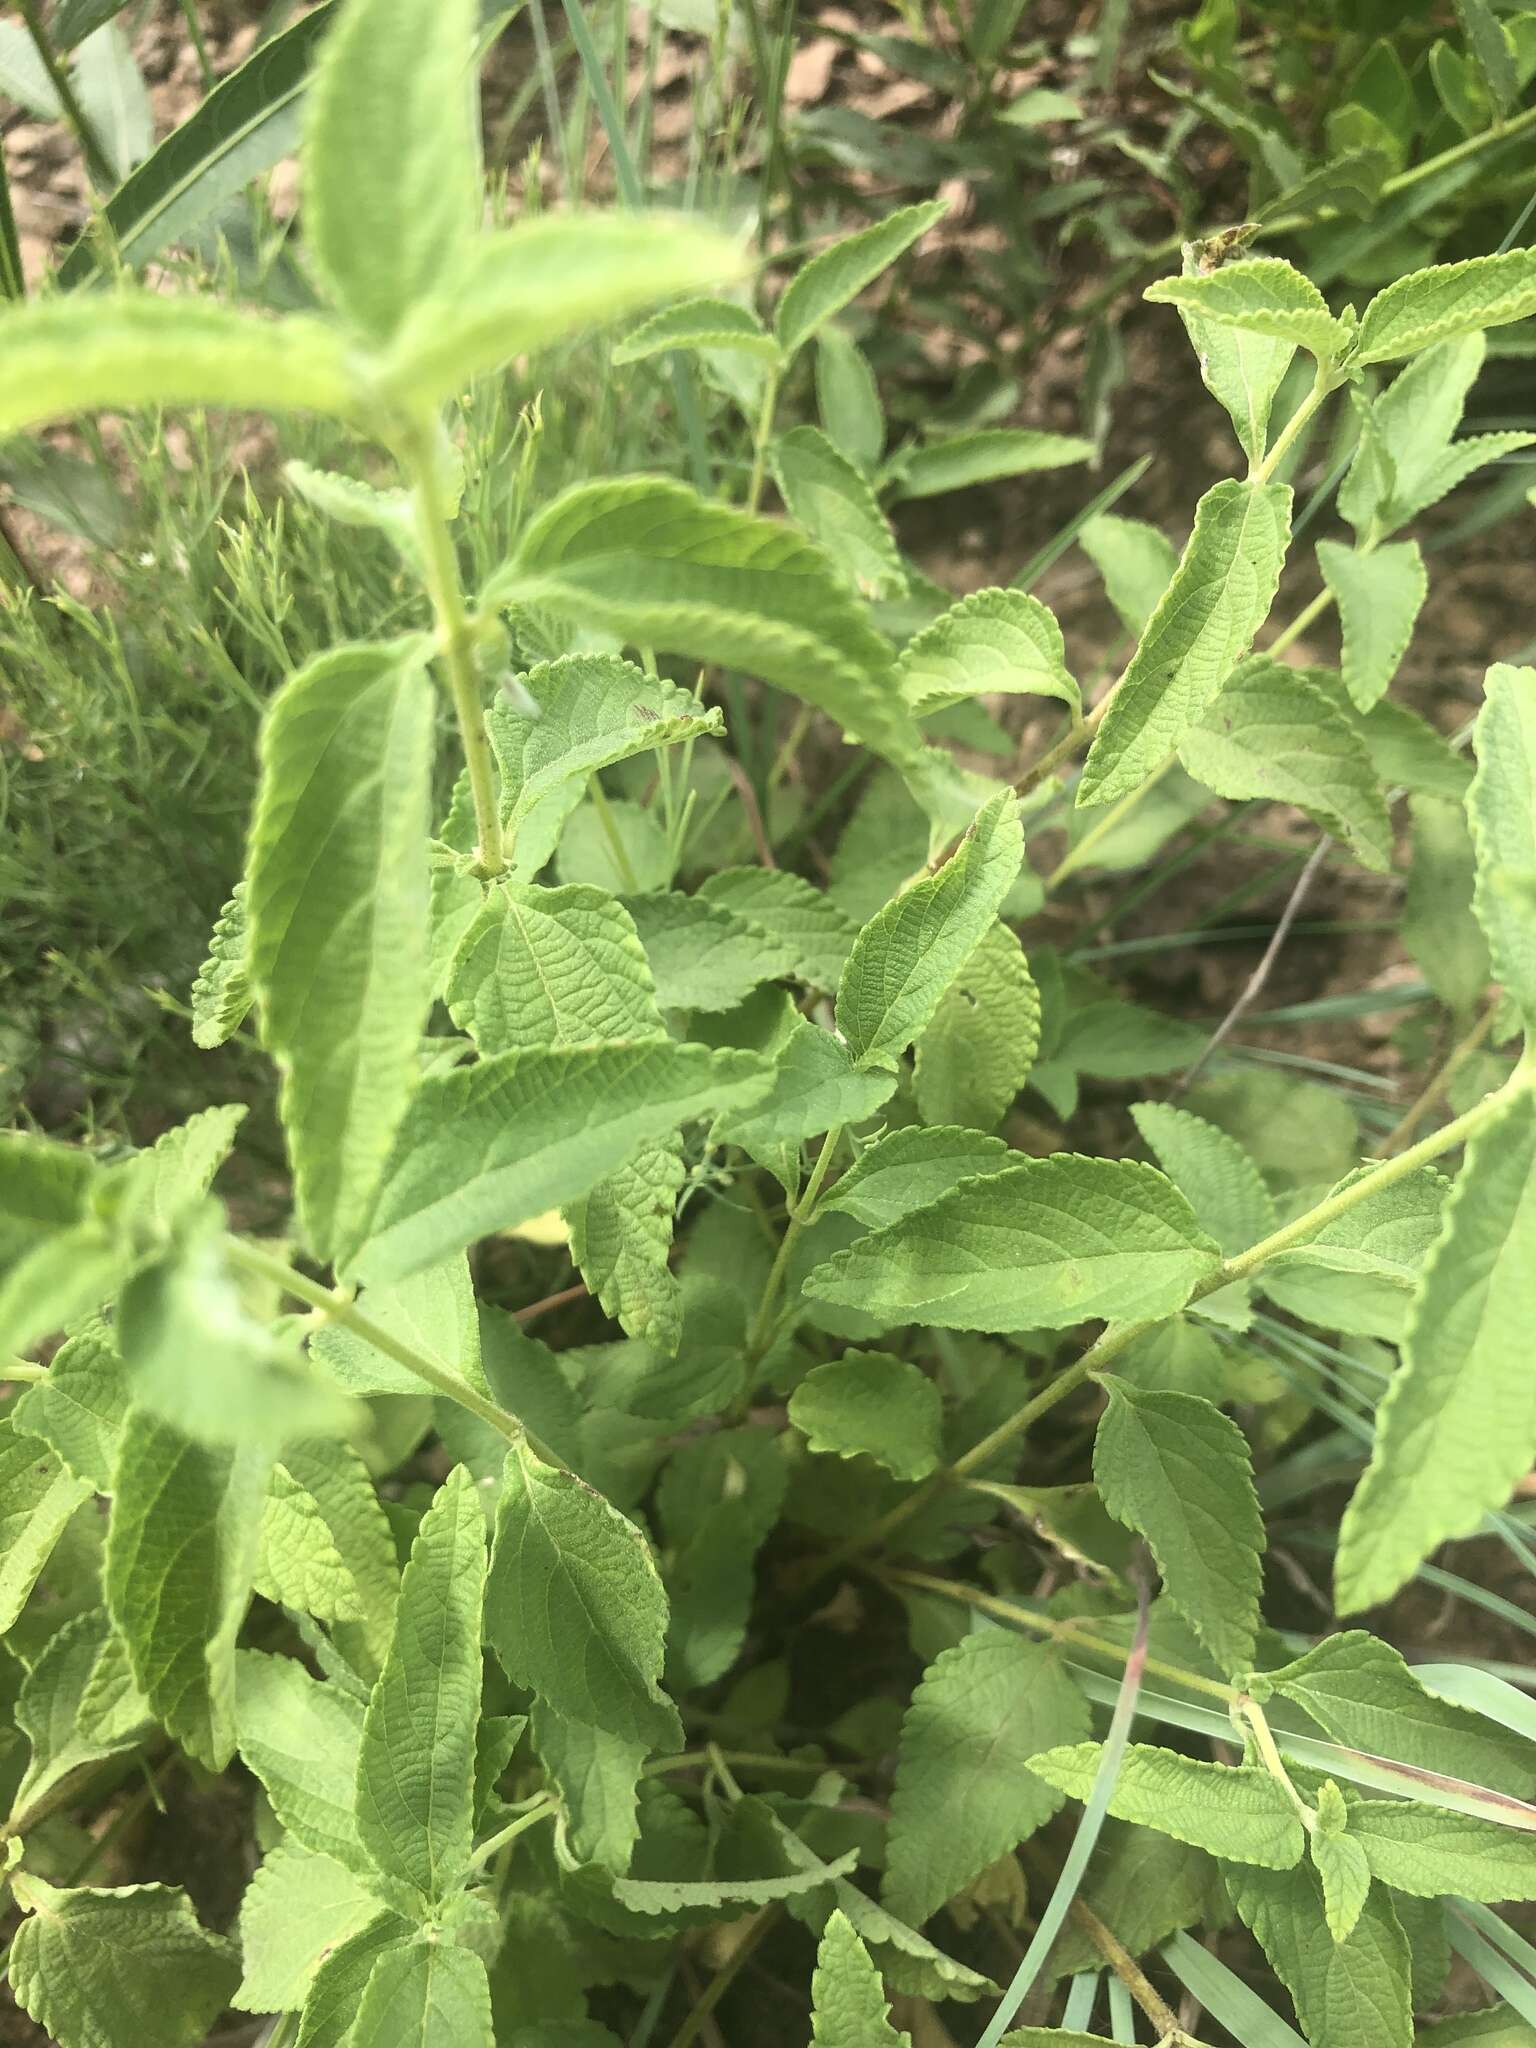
x: 1127, y: 1969
x: 542, y: 1809
x: 456, y: 635
x: 761, y: 1335
x: 339, y: 1308
x: 1323, y: 384
x: 762, y: 435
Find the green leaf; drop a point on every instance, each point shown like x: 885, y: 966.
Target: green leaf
x: 391, y: 90
x: 983, y: 456
x: 416, y: 1763
x: 1262, y: 295
x: 433, y: 1311
x: 793, y: 914
x: 1360, y: 1692
x: 486, y: 1147
x: 297, y: 1909
x: 597, y: 1776
x: 247, y: 123
x: 869, y: 1404
x: 222, y: 994
x: 1493, y: 48
x: 37, y: 1498
x: 326, y: 1548
x: 1502, y: 809
x: 575, y: 1610
x: 910, y: 1169
x: 704, y: 956
x: 1239, y: 1812
x: 848, y: 2004
x: 1146, y: 1886
x: 1379, y: 596
x: 1219, y: 597
x: 908, y: 954
x: 831, y: 280
x: 993, y: 640
x: 567, y: 719
x: 125, y: 348
x: 540, y: 967
x: 1356, y: 1274
x: 548, y: 276
x: 300, y: 1737
x: 1342, y: 1866
x: 1178, y: 1471
x: 1345, y: 1991
x: 1242, y: 370
x: 1212, y: 1171
x: 653, y: 561
x: 181, y: 1554
x: 338, y: 914
x: 699, y: 324
x: 1437, y: 926
x: 826, y: 495
x: 975, y: 1056
x: 1042, y: 1245
x: 1437, y: 1466
x: 1429, y: 1852
x: 848, y: 399
x: 1271, y: 735
x: 423, y: 1992
x: 963, y: 1795
x: 815, y: 1085
x: 195, y: 1358
x: 338, y: 1985
x: 621, y: 1240
x: 62, y: 1249
x: 1451, y: 299
x: 66, y: 1966
x: 1136, y: 561
x: 77, y: 1705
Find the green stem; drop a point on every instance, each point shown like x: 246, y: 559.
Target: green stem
x: 1076, y: 855
x: 456, y: 636
x: 103, y: 175
x: 762, y: 435
x: 199, y: 46
x: 1253, y: 1715
x: 543, y: 1809
x: 1068, y: 1635
x: 1439, y: 1081
x: 338, y: 1308
x: 13, y: 284
x: 18, y: 1369
x: 762, y: 1323
x: 719, y: 1984
x: 623, y: 865
x: 1119, y: 1336
x: 1323, y: 385
x: 1308, y: 614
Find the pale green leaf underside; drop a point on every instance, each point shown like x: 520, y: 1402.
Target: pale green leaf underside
x: 905, y: 958
x: 1238, y: 1812
x: 1379, y: 596
x: 1502, y: 809
x: 1219, y: 597
x: 222, y: 994
x: 993, y: 640
x: 1456, y: 1428
x: 699, y: 324
x: 829, y: 281
x: 848, y: 2003
x: 127, y: 348
x: 416, y: 1759
x: 338, y: 908
x: 832, y: 501
x: 1263, y: 295
x: 297, y: 1908
x: 910, y: 1169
